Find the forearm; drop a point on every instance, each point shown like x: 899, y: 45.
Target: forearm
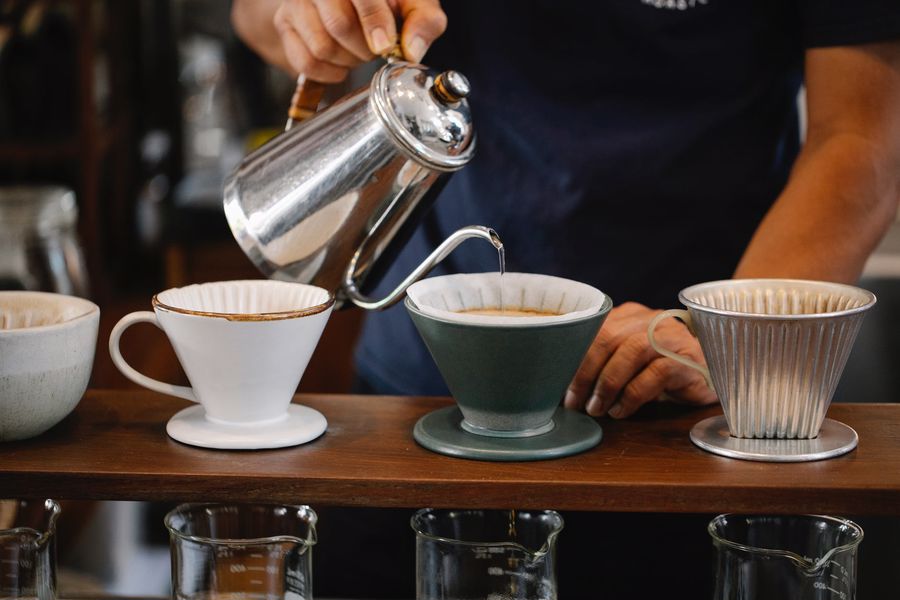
x: 253, y: 23
x: 840, y: 200
x: 845, y: 187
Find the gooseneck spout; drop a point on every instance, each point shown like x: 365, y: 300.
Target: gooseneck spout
x: 351, y: 289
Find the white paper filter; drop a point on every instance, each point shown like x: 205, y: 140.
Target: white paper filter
x: 245, y: 297
x: 443, y: 297
x: 25, y: 310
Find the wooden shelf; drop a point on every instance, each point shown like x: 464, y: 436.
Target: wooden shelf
x: 114, y: 447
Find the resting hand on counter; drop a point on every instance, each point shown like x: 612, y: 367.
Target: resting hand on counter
x: 621, y: 371
x: 324, y: 39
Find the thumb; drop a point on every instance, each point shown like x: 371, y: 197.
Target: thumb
x: 423, y: 22
x: 378, y: 24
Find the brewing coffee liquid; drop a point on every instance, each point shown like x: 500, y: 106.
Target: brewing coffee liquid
x: 508, y: 312
x: 501, y: 255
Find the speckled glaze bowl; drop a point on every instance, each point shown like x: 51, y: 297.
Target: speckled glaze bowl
x: 47, y: 344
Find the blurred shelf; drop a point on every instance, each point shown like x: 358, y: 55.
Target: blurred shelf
x: 114, y: 446
x: 13, y: 151
x: 49, y: 151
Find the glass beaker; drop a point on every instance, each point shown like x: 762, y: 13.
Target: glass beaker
x: 28, y: 549
x: 245, y: 551
x: 486, y: 554
x: 805, y: 557
x: 39, y: 247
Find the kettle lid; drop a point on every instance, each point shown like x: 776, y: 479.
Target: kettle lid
x: 426, y: 112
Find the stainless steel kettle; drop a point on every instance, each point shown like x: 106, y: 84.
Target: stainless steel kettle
x: 325, y: 200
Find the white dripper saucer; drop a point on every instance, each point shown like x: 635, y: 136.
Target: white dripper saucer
x: 300, y: 424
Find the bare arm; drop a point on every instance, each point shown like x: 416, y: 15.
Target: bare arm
x: 845, y: 186
x: 839, y: 201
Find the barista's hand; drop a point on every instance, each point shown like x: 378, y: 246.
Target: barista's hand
x: 621, y: 371
x: 324, y: 39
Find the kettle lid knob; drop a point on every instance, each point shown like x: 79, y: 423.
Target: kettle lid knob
x: 451, y: 86
x: 426, y: 113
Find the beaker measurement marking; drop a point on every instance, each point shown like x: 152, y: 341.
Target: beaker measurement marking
x: 256, y: 581
x: 824, y: 586
x: 839, y: 567
x: 839, y: 594
x: 257, y: 555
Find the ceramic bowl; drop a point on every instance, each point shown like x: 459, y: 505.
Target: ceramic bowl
x: 47, y: 344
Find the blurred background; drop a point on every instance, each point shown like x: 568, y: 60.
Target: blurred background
x: 119, y: 121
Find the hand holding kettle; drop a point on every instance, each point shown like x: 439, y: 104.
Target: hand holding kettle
x: 324, y: 39
x: 332, y: 200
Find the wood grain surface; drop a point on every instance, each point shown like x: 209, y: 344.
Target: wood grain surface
x: 114, y: 447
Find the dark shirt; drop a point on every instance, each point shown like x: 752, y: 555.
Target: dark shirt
x: 634, y: 145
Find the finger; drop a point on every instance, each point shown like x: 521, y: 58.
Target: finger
x: 340, y: 20
x: 576, y: 397
x: 675, y: 336
x: 323, y: 47
x: 378, y: 24
x: 632, y: 356
x: 615, y: 330
x: 648, y: 385
x: 663, y: 376
x: 629, y: 359
x: 580, y: 388
x: 302, y: 60
x: 423, y: 22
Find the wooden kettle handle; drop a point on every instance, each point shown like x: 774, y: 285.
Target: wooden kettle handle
x: 309, y: 93
x: 306, y: 99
